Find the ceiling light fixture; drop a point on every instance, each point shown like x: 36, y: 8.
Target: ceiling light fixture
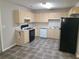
x: 46, y: 5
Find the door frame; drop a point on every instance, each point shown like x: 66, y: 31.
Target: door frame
x: 1, y: 37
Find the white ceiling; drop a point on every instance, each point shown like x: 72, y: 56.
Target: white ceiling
x: 34, y: 4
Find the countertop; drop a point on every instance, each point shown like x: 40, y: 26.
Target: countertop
x: 19, y: 29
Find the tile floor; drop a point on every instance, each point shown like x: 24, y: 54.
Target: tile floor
x: 38, y: 49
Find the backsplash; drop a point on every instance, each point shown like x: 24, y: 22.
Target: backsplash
x: 50, y: 24
x: 54, y: 24
x: 39, y: 24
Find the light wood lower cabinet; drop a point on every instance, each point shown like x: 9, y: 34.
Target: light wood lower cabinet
x: 22, y: 37
x: 54, y: 33
x: 37, y: 31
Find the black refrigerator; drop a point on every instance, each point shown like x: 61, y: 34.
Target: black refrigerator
x: 68, y: 35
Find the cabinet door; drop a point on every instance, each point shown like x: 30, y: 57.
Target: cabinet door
x: 74, y: 10
x: 16, y: 16
x: 22, y: 16
x: 37, y: 30
x: 54, y: 33
x: 50, y: 32
x: 20, y: 38
x: 26, y: 36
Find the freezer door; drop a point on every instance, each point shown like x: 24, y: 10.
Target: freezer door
x: 68, y: 37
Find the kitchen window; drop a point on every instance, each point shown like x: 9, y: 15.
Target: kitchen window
x: 54, y: 23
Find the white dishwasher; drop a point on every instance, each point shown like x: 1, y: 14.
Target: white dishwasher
x: 43, y: 32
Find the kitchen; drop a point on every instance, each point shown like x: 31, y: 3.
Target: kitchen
x: 48, y: 27
x: 45, y: 24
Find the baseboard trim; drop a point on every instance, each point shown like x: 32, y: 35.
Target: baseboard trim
x: 8, y: 47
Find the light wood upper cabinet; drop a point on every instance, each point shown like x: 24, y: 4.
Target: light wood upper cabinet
x: 16, y: 16
x: 44, y: 17
x: 41, y: 17
x: 74, y: 10
x: 20, y: 15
